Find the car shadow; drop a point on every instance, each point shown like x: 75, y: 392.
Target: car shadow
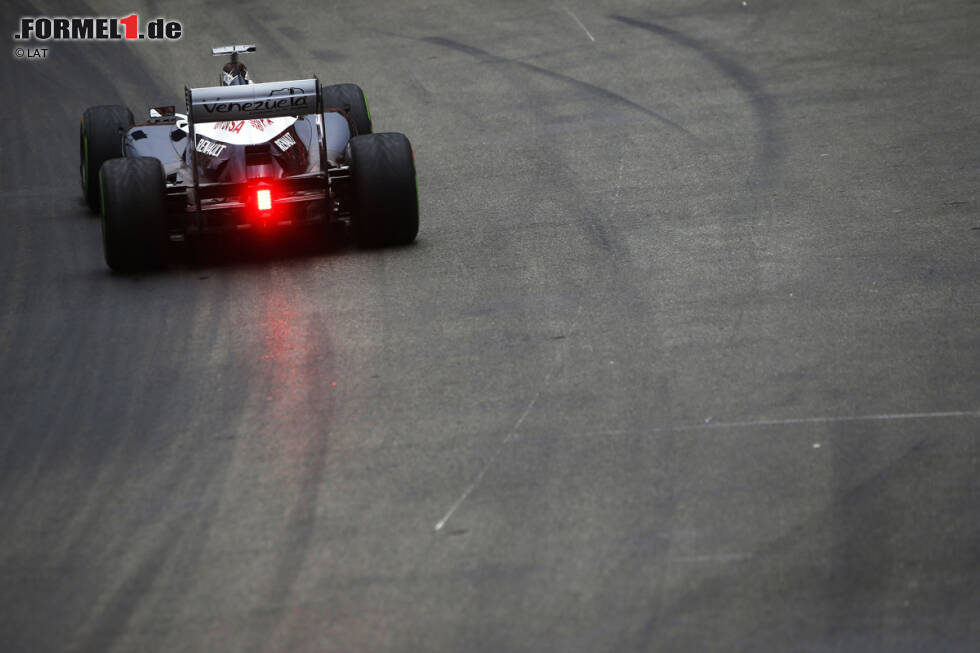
x: 257, y: 248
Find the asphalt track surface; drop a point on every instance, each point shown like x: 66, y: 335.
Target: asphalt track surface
x: 686, y: 357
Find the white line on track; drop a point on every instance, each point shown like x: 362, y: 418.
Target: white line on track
x: 503, y: 443
x: 828, y: 419
x: 580, y: 24
x: 703, y: 426
x: 561, y: 363
x: 619, y: 183
x: 716, y: 557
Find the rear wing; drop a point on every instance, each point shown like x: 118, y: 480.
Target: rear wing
x: 253, y: 101
x: 298, y: 97
x: 233, y: 50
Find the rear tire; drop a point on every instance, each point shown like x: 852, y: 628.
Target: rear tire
x: 100, y: 138
x: 350, y: 98
x: 386, y: 196
x: 134, y: 219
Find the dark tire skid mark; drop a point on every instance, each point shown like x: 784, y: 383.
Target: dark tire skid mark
x: 771, y: 148
x: 592, y: 89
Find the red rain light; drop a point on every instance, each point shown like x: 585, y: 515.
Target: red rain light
x: 263, y: 199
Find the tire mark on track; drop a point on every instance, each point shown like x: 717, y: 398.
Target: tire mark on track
x: 183, y: 542
x: 597, y: 224
x: 742, y: 245
x: 192, y: 477
x: 577, y: 83
x: 771, y: 148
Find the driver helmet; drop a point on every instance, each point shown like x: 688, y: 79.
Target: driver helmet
x: 234, y: 74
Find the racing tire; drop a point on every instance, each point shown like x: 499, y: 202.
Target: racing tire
x: 134, y: 219
x: 350, y: 98
x: 386, y: 206
x: 100, y: 138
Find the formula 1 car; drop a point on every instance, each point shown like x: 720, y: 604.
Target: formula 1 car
x: 245, y: 156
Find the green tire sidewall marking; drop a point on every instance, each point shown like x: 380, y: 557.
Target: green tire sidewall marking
x: 367, y: 108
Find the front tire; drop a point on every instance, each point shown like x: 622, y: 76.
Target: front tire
x: 349, y: 98
x: 386, y: 194
x: 100, y: 138
x: 134, y: 219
